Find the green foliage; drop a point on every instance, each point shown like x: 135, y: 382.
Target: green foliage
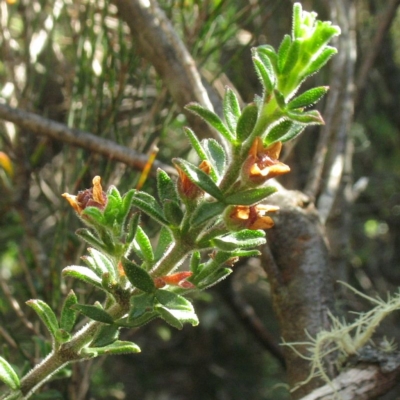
x: 137, y: 277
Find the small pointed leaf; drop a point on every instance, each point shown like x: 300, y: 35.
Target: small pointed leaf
x: 214, y: 278
x: 199, y: 177
x: 173, y: 212
x: 216, y: 155
x: 144, y: 244
x: 149, y: 205
x: 250, y: 196
x: 283, y: 132
x: 231, y: 109
x: 239, y: 240
x: 140, y: 305
x: 308, y: 98
x: 8, y: 375
x: 175, y: 309
x: 126, y: 205
x: 102, y: 263
x: 283, y: 51
x: 247, y: 122
x: 212, y: 119
x: 84, y: 274
x: 46, y: 314
x: 94, y: 312
x: 106, y: 335
x: 320, y: 61
x: 165, y: 240
x: 205, y: 212
x: 68, y: 316
x: 115, y: 348
x: 166, y: 187
x: 138, y: 277
x: 312, y: 117
x: 90, y: 238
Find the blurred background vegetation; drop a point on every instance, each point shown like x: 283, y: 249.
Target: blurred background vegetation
x: 75, y: 62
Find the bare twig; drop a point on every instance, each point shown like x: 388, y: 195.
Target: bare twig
x: 42, y: 126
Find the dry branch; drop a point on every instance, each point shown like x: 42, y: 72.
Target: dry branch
x: 41, y: 126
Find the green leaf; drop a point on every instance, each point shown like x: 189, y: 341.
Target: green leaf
x: 283, y: 132
x: 139, y: 321
x: 106, y: 335
x: 212, y: 119
x: 46, y: 314
x: 198, y: 177
x: 115, y: 348
x: 239, y: 240
x: 8, y: 375
x: 175, y: 309
x: 173, y: 212
x: 102, y: 263
x: 264, y: 70
x: 216, y: 155
x: 93, y: 215
x: 166, y: 187
x: 268, y: 51
x: 215, y: 277
x: 68, y: 316
x: 250, y: 196
x: 126, y: 206
x: 94, y: 312
x: 231, y: 109
x: 149, y: 205
x: 138, y: 277
x: 320, y: 61
x: 205, y: 212
x: 195, y: 262
x: 113, y: 207
x: 84, y: 274
x: 292, y: 57
x: 312, y: 117
x: 132, y: 227
x: 308, y: 98
x: 144, y: 244
x: 283, y: 51
x: 165, y: 240
x: 197, y: 146
x: 90, y: 238
x: 280, y: 99
x: 247, y: 122
x: 140, y: 305
x: 297, y: 20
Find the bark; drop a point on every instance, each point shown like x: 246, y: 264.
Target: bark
x: 297, y: 264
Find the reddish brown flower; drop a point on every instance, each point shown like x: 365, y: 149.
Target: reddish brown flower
x: 93, y: 197
x: 177, y: 279
x: 262, y: 162
x: 249, y: 217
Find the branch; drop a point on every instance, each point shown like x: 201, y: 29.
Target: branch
x: 366, y: 382
x: 42, y: 126
x: 301, y: 286
x: 159, y: 43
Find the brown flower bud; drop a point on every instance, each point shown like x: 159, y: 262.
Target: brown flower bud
x: 93, y: 197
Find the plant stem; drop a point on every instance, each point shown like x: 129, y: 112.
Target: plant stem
x: 67, y: 353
